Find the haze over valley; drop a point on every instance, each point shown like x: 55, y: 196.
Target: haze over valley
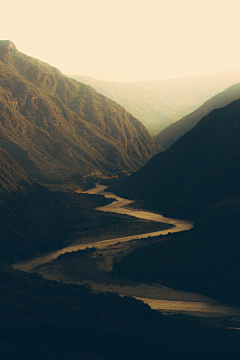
x: 158, y: 104
x: 119, y: 180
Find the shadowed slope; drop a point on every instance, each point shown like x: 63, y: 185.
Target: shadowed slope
x: 198, y: 171
x: 197, y: 178
x: 28, y: 213
x: 172, y: 133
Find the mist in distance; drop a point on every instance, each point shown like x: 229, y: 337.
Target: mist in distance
x: 126, y: 41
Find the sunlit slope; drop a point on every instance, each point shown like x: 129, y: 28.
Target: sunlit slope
x: 144, y: 104
x: 172, y: 133
x: 198, y: 172
x: 60, y: 130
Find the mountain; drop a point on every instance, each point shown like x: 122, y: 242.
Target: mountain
x: 198, y: 171
x: 197, y: 178
x: 46, y: 319
x: 189, y: 92
x: 28, y: 213
x: 144, y: 104
x: 61, y: 131
x: 173, y: 132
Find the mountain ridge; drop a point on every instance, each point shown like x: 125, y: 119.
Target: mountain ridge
x: 187, y: 174
x: 172, y: 133
x: 60, y: 130
x: 28, y: 213
x: 143, y: 104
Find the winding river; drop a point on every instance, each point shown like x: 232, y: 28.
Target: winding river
x: 164, y: 299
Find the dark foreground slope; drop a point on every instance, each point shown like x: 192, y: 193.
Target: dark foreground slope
x: 60, y: 130
x: 29, y: 214
x: 173, y: 132
x: 40, y: 319
x: 34, y: 220
x: 197, y: 178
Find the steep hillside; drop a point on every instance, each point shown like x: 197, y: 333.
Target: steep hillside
x: 172, y: 133
x: 144, y: 104
x: 197, y: 178
x: 198, y: 171
x: 60, y: 130
x: 188, y: 93
x: 29, y: 213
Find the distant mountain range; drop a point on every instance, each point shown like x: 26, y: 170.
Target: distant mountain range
x: 189, y: 92
x: 158, y: 104
x: 172, y: 133
x: 60, y: 130
x: 144, y: 104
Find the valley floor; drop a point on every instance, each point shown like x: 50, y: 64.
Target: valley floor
x: 95, y: 268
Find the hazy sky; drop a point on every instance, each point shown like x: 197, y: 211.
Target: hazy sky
x: 126, y: 40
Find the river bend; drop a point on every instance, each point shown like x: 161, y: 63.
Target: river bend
x: 156, y: 296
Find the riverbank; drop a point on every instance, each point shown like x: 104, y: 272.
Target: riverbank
x: 77, y: 265
x: 94, y: 268
x: 50, y: 320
